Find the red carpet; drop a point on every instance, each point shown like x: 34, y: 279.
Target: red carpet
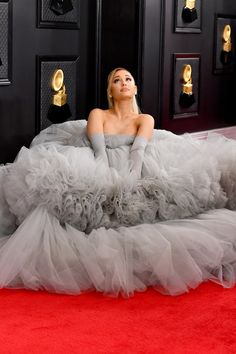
x: 203, y: 321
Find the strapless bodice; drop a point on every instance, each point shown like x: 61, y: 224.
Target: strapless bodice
x: 113, y: 141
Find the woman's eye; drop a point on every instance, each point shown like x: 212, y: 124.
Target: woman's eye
x: 128, y: 79
x: 116, y: 80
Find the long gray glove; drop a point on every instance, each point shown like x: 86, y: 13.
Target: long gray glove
x: 137, y: 153
x: 99, y: 147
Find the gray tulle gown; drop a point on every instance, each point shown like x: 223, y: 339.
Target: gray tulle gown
x: 69, y: 223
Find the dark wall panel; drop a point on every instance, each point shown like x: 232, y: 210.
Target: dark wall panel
x: 153, y: 32
x: 118, y: 38
x: 216, y: 92
x: 137, y: 34
x: 146, y: 40
x: 18, y: 100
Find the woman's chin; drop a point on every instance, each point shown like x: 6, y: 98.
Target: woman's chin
x: 125, y: 95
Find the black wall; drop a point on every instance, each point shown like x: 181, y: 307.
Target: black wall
x: 137, y: 34
x: 217, y: 91
x: 119, y: 41
x: 18, y: 116
x: 145, y: 42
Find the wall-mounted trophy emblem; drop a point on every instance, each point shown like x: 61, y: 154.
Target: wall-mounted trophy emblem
x: 189, y: 13
x: 59, y: 110
x: 226, y: 52
x: 61, y: 7
x: 186, y: 98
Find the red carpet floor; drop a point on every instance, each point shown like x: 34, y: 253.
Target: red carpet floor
x: 202, y: 321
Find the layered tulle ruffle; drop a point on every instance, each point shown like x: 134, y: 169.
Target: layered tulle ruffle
x: 173, y: 256
x: 71, y: 224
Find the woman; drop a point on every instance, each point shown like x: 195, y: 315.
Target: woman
x: 121, y: 119
x: 128, y: 208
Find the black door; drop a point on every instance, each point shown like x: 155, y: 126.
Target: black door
x: 32, y: 33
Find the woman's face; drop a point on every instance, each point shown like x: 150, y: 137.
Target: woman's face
x: 122, y: 85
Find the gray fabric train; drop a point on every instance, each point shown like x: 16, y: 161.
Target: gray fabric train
x: 70, y: 222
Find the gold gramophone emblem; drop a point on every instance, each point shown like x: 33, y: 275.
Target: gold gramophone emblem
x: 186, y: 98
x: 190, y: 4
x: 226, y: 37
x: 57, y: 84
x: 59, y: 110
x: 187, y: 86
x: 189, y: 13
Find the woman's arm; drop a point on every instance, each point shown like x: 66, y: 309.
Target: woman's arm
x: 95, y: 134
x: 95, y: 122
x: 145, y: 126
x: 145, y: 131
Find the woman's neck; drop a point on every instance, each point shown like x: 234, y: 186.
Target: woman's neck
x: 122, y: 109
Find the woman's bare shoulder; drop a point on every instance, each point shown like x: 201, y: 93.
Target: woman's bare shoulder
x: 146, y: 119
x: 145, y: 125
x: 96, y: 120
x: 97, y: 112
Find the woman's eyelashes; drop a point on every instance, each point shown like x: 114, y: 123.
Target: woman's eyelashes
x: 127, y: 79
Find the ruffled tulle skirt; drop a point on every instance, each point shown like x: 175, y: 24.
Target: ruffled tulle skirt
x: 171, y: 256
x: 69, y: 224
